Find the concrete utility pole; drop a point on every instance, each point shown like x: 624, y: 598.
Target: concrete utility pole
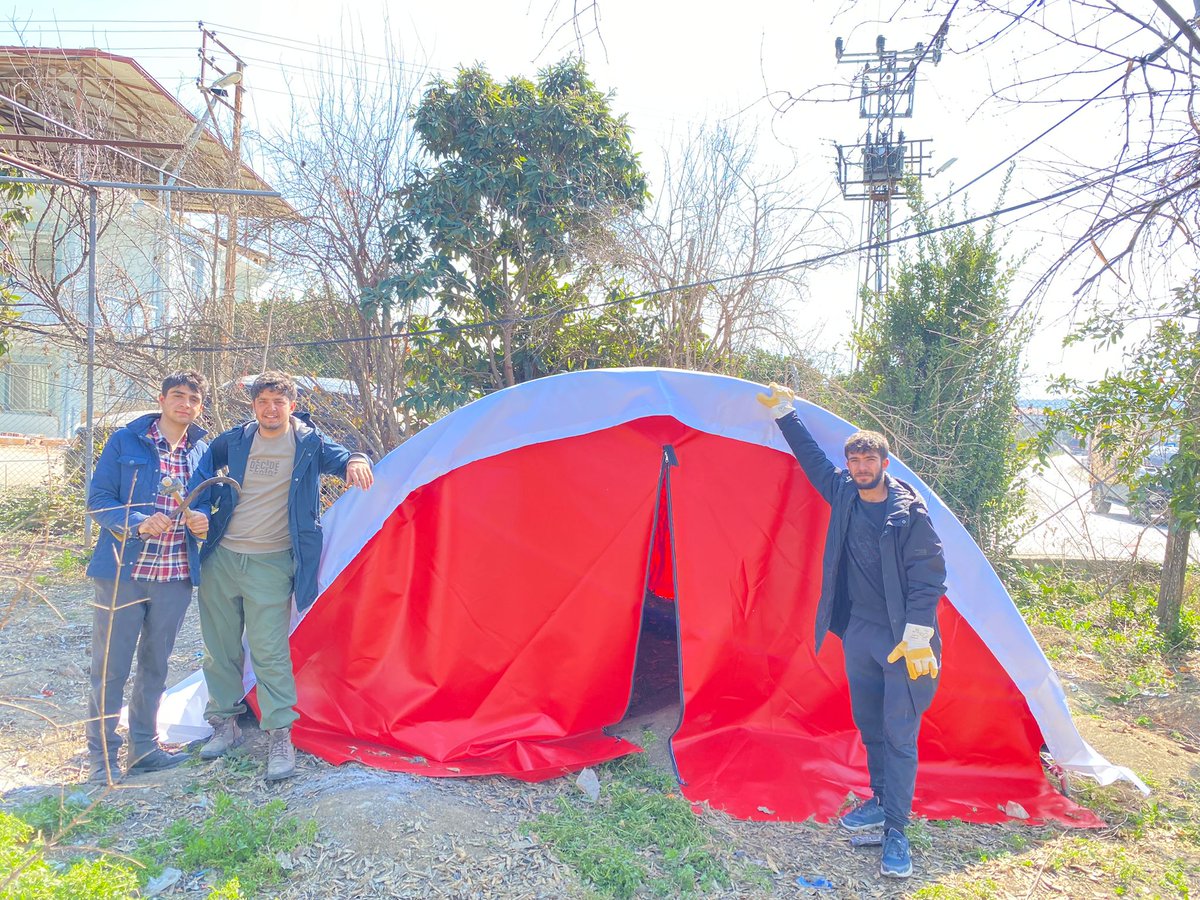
x: 873, y: 170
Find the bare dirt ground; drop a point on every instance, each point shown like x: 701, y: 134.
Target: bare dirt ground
x: 389, y: 835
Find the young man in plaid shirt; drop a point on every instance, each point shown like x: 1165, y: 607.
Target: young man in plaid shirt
x: 144, y: 567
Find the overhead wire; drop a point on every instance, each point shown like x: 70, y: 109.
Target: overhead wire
x: 280, y: 41
x: 318, y: 50
x: 324, y: 50
x: 1122, y: 77
x: 657, y: 292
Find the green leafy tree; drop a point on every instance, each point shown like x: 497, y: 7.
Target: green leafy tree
x: 939, y: 367
x: 521, y: 175
x: 1154, y: 398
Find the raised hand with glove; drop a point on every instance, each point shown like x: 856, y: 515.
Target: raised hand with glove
x: 917, y: 653
x: 779, y: 401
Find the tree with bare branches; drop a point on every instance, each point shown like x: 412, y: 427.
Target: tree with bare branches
x: 156, y: 262
x: 1127, y: 149
x: 718, y: 245
x: 346, y: 154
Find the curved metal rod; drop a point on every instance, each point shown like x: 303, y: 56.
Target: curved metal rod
x: 195, y: 492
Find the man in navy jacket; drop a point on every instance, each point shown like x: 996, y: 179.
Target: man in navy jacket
x: 144, y: 567
x: 883, y: 573
x: 262, y: 546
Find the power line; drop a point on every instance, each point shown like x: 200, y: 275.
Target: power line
x: 1027, y: 144
x: 326, y: 51
x: 658, y: 292
x: 295, y: 44
x: 1151, y: 57
x: 55, y: 21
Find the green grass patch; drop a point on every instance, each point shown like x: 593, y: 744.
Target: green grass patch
x: 1141, y: 818
x: 239, y: 841
x: 1017, y: 842
x: 54, y: 507
x: 1177, y: 878
x: 1113, y: 620
x: 919, y: 835
x: 25, y: 873
x: 640, y: 837
x: 983, y: 889
x: 59, y: 818
x: 71, y: 564
x: 1102, y: 858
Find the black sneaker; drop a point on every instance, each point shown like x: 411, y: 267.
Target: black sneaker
x: 867, y: 815
x: 157, y: 760
x: 98, y: 773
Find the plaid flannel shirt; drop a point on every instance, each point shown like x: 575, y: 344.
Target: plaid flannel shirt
x: 165, y: 558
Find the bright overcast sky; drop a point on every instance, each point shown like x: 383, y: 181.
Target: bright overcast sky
x: 671, y: 64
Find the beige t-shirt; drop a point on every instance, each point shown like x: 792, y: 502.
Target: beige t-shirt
x: 260, y: 519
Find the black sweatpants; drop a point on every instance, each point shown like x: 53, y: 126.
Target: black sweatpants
x: 887, y: 707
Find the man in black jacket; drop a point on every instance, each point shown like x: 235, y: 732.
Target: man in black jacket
x: 883, y: 573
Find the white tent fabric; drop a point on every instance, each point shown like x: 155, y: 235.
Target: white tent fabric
x: 577, y: 403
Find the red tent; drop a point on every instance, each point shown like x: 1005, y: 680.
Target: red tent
x: 481, y: 609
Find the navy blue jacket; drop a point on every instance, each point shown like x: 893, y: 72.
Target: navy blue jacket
x: 315, y: 455
x: 914, y: 566
x: 123, y: 492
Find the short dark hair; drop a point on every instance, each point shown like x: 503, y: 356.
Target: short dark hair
x: 866, y: 442
x: 279, y: 382
x: 186, y: 378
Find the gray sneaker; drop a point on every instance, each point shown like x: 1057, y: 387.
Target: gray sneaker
x: 226, y: 736
x: 281, y: 755
x: 155, y: 760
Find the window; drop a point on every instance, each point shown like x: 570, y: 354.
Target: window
x: 199, y: 276
x: 26, y: 387
x: 43, y: 258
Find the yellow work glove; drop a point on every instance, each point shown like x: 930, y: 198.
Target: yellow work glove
x: 779, y: 401
x: 917, y: 653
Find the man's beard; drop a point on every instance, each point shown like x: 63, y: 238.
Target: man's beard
x: 875, y: 482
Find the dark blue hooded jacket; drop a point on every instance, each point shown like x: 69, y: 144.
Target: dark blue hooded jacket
x: 914, y: 566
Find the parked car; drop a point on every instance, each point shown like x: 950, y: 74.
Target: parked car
x: 1143, y: 495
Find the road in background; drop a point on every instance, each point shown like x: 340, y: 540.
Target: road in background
x: 23, y: 463
x: 1062, y: 524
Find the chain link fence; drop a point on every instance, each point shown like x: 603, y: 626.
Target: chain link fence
x: 26, y: 461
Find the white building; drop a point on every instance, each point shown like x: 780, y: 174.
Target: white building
x: 91, y: 116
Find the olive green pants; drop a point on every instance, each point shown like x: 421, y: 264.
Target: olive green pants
x: 250, y: 592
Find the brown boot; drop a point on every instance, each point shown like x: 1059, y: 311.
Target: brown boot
x: 281, y: 755
x: 226, y: 736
